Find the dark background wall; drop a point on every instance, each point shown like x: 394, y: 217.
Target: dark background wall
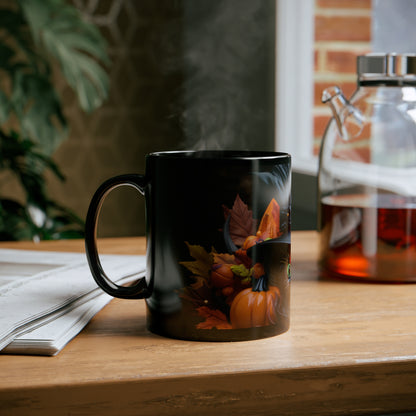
x: 304, y: 202
x: 184, y: 74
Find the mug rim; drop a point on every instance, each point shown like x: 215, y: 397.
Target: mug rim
x: 219, y: 154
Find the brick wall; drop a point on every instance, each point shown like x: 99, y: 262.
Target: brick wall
x: 342, y: 32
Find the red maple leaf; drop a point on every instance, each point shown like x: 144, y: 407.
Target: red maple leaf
x: 241, y: 223
x: 214, y: 318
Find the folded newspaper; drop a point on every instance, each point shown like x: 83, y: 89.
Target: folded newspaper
x: 46, y: 298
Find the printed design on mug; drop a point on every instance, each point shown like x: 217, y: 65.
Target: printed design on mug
x: 233, y: 290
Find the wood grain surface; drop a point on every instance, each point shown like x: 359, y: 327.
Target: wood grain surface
x: 351, y: 349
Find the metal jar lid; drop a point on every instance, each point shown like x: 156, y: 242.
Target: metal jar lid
x: 388, y: 68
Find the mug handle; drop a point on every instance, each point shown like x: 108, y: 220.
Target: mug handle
x: 140, y: 289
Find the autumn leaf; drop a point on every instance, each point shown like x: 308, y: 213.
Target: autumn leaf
x: 224, y: 258
x: 242, y: 258
x: 201, y: 266
x: 214, y: 318
x: 241, y: 223
x: 197, y: 296
x: 270, y: 223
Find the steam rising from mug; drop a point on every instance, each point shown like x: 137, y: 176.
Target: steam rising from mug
x: 228, y: 88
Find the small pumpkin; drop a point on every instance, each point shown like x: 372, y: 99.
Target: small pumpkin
x: 221, y: 275
x: 255, y: 306
x: 258, y: 271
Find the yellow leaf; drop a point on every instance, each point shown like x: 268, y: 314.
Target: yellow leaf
x: 201, y: 266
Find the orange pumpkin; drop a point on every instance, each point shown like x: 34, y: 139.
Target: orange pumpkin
x: 253, y: 308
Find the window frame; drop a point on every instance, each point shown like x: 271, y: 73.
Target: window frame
x: 294, y: 83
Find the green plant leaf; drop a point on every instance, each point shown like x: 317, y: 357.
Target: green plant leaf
x: 38, y: 108
x: 76, y: 44
x: 17, y: 38
x: 14, y: 222
x: 11, y: 21
x: 4, y: 107
x: 6, y: 54
x: 34, y: 33
x: 20, y: 157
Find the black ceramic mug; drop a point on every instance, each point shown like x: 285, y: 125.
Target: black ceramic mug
x: 218, y: 243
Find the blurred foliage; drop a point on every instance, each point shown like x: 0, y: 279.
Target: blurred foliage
x: 38, y: 37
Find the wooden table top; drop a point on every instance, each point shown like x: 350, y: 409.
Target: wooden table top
x: 351, y: 349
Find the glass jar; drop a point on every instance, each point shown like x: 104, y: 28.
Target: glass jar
x: 367, y: 174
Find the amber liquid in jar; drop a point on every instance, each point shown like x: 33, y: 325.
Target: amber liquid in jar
x: 369, y: 237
